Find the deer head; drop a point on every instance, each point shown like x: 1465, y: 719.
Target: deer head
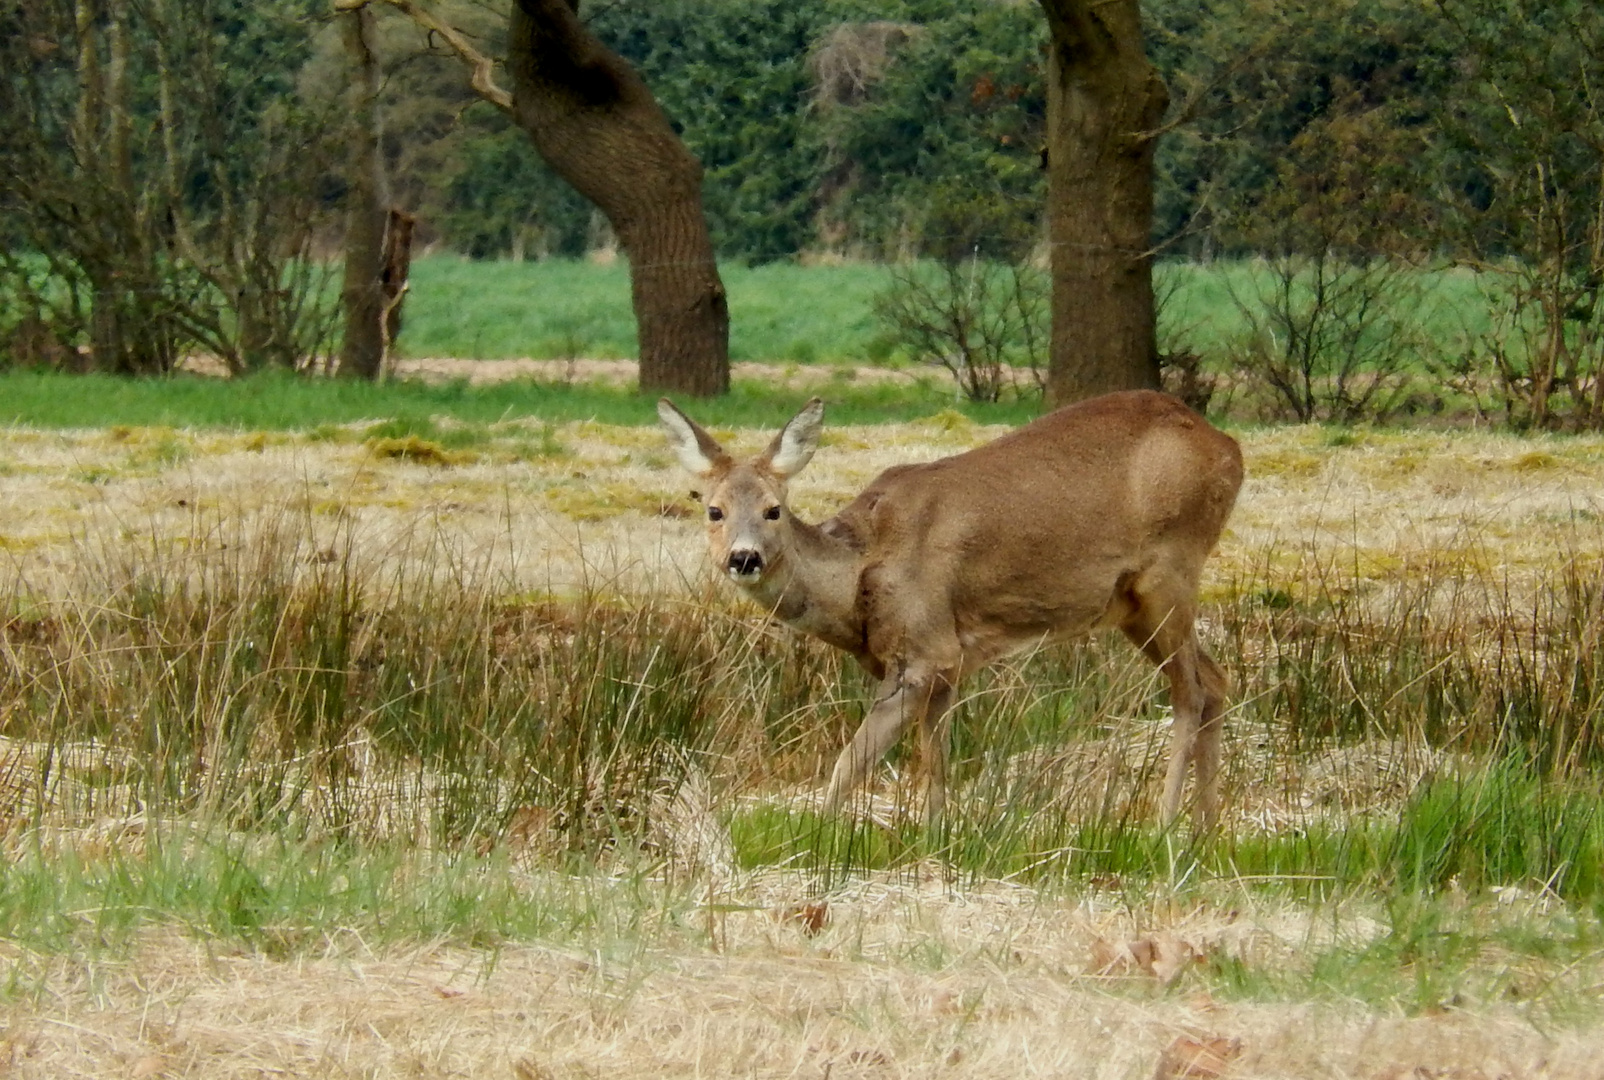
x: 748, y: 522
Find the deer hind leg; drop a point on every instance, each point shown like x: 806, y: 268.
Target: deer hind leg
x: 934, y: 744
x: 907, y: 694
x: 1160, y: 624
x: 1210, y: 734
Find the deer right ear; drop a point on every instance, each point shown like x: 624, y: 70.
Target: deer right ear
x: 697, y: 451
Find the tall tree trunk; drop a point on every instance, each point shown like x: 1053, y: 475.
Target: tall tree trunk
x: 362, y: 290
x: 1104, y: 100
x: 596, y: 124
x: 89, y: 123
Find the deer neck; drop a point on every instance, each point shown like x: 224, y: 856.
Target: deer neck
x: 814, y: 589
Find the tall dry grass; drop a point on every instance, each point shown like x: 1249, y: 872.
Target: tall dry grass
x: 270, y: 680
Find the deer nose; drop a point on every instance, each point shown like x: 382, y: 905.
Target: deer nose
x: 745, y: 561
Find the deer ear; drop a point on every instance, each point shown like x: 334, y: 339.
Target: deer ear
x: 793, y: 447
x: 697, y: 451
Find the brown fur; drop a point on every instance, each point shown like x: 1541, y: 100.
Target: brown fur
x: 1099, y: 514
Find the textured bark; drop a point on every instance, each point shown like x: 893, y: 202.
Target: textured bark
x: 398, y: 228
x: 595, y: 122
x: 362, y: 289
x: 1104, y: 102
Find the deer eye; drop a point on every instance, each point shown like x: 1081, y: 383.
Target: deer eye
x: 772, y: 513
x: 715, y: 514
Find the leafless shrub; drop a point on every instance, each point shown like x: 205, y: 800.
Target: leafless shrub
x: 985, y: 322
x: 1181, y: 367
x: 1330, y: 311
x: 1329, y: 337
x: 1530, y: 217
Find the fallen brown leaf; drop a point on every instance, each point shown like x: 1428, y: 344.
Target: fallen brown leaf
x: 148, y: 1066
x: 1161, y: 956
x: 811, y: 916
x: 1197, y: 1059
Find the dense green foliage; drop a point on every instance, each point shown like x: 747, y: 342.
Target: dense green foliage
x: 1339, y: 141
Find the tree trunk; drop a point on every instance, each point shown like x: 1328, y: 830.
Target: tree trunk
x: 398, y: 229
x: 596, y: 124
x: 362, y: 290
x: 1104, y: 100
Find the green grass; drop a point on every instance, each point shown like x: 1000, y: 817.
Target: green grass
x: 1202, y: 311
x: 783, y: 312
x: 292, y: 897
x: 1502, y: 824
x: 564, y: 308
x: 278, y: 403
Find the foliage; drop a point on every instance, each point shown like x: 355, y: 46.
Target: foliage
x: 1526, y: 144
x: 732, y: 74
x: 160, y: 177
x: 942, y: 154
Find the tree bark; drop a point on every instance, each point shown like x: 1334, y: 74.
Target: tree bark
x: 1104, y: 102
x: 595, y: 122
x: 398, y: 229
x: 362, y: 288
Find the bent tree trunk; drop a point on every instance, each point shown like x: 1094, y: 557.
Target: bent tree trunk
x: 595, y: 122
x: 1104, y: 100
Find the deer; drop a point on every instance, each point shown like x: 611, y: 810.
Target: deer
x: 1099, y: 514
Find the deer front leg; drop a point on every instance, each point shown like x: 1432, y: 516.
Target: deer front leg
x: 903, y: 699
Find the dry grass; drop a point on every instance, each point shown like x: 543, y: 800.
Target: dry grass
x: 910, y: 976
x: 608, y: 507
x: 904, y: 981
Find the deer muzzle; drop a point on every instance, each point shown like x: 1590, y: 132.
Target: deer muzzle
x: 745, y: 564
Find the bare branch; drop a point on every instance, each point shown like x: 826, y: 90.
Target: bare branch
x: 483, y: 76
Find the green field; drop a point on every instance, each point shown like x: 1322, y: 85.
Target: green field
x: 783, y: 312
x: 562, y: 308
x: 273, y: 402
x: 786, y: 316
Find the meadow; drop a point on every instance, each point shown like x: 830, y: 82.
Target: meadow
x: 788, y: 313
x: 413, y: 739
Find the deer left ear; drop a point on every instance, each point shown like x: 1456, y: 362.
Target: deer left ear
x: 793, y: 447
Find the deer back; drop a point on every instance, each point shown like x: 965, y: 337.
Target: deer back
x: 1031, y: 534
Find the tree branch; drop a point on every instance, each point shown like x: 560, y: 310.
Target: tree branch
x: 483, y: 76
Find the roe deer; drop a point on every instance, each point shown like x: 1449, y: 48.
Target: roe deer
x: 1099, y: 514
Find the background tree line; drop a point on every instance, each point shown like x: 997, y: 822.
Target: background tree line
x: 191, y: 155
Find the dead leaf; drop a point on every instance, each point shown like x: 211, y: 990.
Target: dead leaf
x: 1162, y: 957
x: 148, y: 1066
x: 811, y: 916
x: 1197, y: 1059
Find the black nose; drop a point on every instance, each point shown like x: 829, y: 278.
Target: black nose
x: 745, y: 562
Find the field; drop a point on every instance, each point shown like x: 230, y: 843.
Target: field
x: 786, y: 313
x: 414, y: 740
